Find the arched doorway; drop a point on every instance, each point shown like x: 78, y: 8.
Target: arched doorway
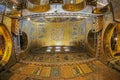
x: 92, y: 42
x: 92, y: 39
x: 115, y: 41
x: 23, y: 41
x: 111, y: 40
x: 2, y: 46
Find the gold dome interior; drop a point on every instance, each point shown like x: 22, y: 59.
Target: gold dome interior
x: 59, y: 40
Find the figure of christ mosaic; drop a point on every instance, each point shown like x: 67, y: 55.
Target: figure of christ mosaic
x: 57, y: 34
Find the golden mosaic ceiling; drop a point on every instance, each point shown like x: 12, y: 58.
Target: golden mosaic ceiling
x: 20, y: 3
x: 54, y: 8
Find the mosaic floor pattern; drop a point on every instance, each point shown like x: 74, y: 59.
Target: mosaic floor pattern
x: 94, y: 70
x: 56, y: 57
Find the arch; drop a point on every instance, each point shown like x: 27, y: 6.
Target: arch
x: 113, y: 40
x: 8, y: 44
x: 91, y: 42
x: 2, y: 46
x: 116, y: 39
x: 91, y: 39
x: 107, y: 36
x: 23, y: 41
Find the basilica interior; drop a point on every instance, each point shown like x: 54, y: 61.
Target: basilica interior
x: 59, y: 40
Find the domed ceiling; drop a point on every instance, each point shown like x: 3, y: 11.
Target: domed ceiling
x: 56, y: 8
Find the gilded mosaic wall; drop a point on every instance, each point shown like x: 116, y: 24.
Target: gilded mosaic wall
x: 55, y: 33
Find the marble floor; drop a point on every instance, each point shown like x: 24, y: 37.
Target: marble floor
x: 57, y: 57
x: 60, y: 66
x: 93, y: 70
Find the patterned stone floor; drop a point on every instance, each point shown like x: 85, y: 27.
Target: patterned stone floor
x: 94, y: 70
x: 56, y: 57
